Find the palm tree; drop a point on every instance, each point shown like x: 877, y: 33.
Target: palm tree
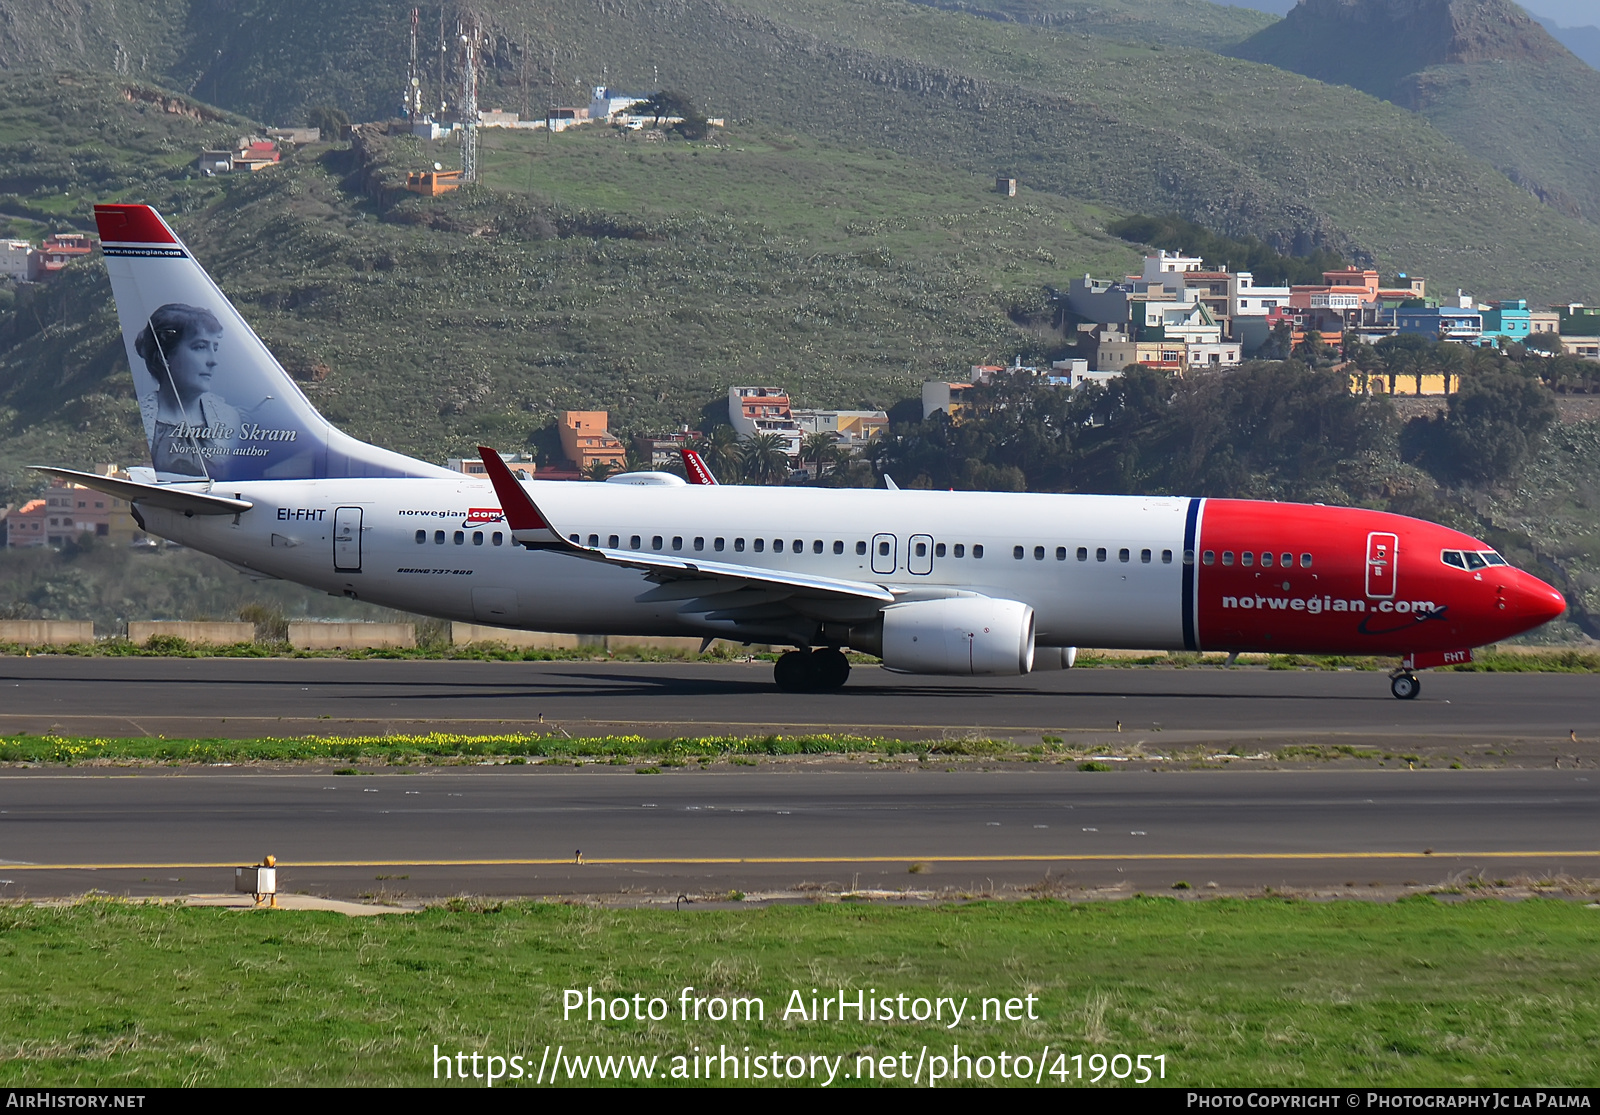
x: 723, y: 453
x: 765, y: 461
x: 598, y: 470
x: 821, y: 449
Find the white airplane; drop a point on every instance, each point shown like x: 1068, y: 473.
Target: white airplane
x: 243, y: 467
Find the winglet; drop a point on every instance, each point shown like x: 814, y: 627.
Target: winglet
x: 695, y: 466
x: 528, y: 525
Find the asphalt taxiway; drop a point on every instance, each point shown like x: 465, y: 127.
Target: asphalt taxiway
x: 842, y: 824
x: 786, y: 829
x: 1533, y: 715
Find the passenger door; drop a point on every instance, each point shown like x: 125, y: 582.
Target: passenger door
x: 1382, y: 550
x: 347, y: 540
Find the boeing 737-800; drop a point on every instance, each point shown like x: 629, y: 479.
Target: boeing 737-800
x: 243, y: 467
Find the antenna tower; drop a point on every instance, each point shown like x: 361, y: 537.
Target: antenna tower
x: 469, y: 102
x: 413, y: 99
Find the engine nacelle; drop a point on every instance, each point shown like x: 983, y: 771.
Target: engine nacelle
x: 961, y: 635
x: 1054, y: 658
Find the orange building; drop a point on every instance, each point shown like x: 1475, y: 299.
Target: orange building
x: 585, y: 439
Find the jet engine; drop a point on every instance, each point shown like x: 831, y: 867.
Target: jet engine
x: 959, y: 635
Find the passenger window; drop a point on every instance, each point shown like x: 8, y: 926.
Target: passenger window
x: 738, y: 545
x: 1453, y: 557
x: 594, y: 541
x: 777, y: 545
x: 1100, y: 553
x: 861, y: 548
x: 883, y: 549
x: 816, y: 547
x: 961, y: 549
x: 438, y: 538
x: 922, y: 549
x: 497, y: 538
x: 677, y: 542
x: 977, y: 551
x: 573, y: 538
x: 1266, y: 561
x: 477, y: 538
x: 1038, y: 553
x: 938, y: 549
x: 613, y: 542
x: 422, y: 536
x: 799, y: 545
x: 1247, y: 559
x: 1227, y: 557
x: 1122, y: 555
x: 1210, y: 557
x: 838, y: 546
x: 760, y: 545
x: 634, y: 542
x: 1287, y: 561
x: 1016, y: 552
x: 461, y: 538
x: 1061, y: 553
x: 1166, y: 557
x: 1144, y: 556
x: 700, y: 543
x: 1474, y: 561
x: 655, y: 542
x: 1305, y: 561
x: 1083, y: 553
x: 717, y: 545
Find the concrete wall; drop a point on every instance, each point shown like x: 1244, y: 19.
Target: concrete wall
x: 213, y: 632
x: 344, y: 636
x: 461, y: 634
x: 46, y: 632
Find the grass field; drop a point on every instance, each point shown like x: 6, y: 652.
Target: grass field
x: 1264, y: 991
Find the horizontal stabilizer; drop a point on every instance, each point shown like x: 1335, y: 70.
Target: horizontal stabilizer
x: 169, y: 496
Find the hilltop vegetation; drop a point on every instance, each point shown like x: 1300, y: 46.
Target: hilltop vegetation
x: 1481, y: 71
x: 1132, y: 126
x: 636, y: 276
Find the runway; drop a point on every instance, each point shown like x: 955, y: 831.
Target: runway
x: 788, y: 831
x: 1531, y: 716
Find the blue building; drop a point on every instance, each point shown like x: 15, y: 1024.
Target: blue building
x: 1441, y: 323
x: 1508, y: 320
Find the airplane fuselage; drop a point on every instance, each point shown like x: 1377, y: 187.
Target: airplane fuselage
x: 1160, y: 573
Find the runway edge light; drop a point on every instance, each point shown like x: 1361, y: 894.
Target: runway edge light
x: 259, y: 880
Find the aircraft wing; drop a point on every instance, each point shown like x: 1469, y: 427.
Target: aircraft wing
x: 722, y: 592
x: 173, y: 497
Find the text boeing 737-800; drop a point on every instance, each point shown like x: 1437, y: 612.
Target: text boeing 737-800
x: 243, y: 467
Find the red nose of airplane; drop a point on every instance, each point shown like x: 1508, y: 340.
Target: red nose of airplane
x: 1536, y: 601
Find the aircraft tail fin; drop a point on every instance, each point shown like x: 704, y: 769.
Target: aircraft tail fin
x: 695, y: 466
x: 216, y: 403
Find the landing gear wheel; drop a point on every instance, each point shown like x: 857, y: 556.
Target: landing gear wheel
x: 795, y: 672
x: 1405, y: 686
x: 832, y: 668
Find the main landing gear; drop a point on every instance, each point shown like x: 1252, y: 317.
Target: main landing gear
x: 812, y: 671
x: 1404, y: 685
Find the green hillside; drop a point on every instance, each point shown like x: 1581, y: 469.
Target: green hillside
x: 1244, y: 149
x: 1186, y: 23
x: 593, y: 269
x: 1481, y: 71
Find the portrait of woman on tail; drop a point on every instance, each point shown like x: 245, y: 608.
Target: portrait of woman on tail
x: 189, y: 423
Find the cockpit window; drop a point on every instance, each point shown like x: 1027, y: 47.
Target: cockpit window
x: 1453, y: 557
x: 1474, y: 561
x: 1493, y: 558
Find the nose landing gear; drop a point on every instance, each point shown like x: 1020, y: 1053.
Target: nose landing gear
x: 1404, y: 685
x: 812, y: 671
